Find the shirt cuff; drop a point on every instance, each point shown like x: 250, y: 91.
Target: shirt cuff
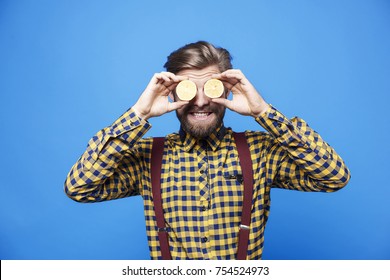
x: 120, y: 136
x: 277, y: 125
x: 127, y: 122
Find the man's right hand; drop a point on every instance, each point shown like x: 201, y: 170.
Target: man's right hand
x: 154, y: 100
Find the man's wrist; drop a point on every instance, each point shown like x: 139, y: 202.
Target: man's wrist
x: 262, y: 110
x: 139, y: 114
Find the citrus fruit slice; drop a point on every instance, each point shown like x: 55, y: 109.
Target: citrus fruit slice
x: 186, y: 90
x: 213, y: 88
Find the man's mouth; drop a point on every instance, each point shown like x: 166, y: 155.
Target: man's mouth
x: 200, y: 115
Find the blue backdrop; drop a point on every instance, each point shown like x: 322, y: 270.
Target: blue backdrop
x: 70, y: 68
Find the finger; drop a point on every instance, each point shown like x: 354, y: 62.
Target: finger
x: 167, y: 78
x: 225, y: 102
x: 173, y: 77
x: 216, y: 76
x: 158, y: 79
x: 163, y: 78
x: 177, y: 79
x: 176, y: 105
x: 229, y: 71
x: 233, y: 74
x: 181, y: 78
x: 169, y: 83
x: 172, y: 86
x: 229, y: 80
x: 228, y: 84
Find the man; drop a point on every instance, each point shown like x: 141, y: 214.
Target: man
x: 201, y: 186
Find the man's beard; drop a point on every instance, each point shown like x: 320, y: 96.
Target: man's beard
x: 196, y: 129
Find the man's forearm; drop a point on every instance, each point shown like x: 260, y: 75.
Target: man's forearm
x: 312, y: 165
x: 96, y: 175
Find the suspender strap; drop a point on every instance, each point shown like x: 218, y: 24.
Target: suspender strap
x: 246, y: 166
x: 244, y: 157
x: 157, y: 154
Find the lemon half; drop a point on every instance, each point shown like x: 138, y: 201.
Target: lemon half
x: 186, y: 90
x: 213, y: 88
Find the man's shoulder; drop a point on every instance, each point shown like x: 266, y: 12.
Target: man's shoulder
x: 257, y: 138
x: 252, y: 133
x: 171, y: 138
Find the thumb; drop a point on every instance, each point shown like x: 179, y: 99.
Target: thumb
x: 225, y: 102
x: 176, y: 105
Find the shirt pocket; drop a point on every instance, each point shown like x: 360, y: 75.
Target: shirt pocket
x: 233, y: 178
x: 228, y: 190
x: 226, y: 201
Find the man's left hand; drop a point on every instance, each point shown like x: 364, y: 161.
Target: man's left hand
x: 246, y: 99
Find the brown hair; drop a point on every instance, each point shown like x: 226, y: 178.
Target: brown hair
x: 198, y: 56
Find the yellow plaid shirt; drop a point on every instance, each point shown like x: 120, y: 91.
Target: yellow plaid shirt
x: 201, y: 181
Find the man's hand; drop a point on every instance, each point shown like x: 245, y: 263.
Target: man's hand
x: 246, y: 99
x: 154, y: 100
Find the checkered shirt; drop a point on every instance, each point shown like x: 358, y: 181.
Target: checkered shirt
x: 201, y: 180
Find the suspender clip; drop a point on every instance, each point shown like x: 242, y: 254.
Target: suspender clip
x: 244, y: 227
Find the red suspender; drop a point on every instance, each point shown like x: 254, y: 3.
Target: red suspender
x: 157, y: 154
x: 246, y: 166
x: 244, y: 157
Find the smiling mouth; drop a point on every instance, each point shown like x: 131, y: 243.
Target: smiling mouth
x: 200, y: 115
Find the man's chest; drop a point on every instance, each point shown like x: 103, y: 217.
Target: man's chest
x: 201, y: 177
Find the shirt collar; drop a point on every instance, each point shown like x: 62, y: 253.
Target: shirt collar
x: 213, y: 140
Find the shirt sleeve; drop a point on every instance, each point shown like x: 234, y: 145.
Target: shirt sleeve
x: 111, y: 167
x: 304, y: 160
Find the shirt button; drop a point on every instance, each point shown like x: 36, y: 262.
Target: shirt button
x: 204, y: 239
x: 204, y: 208
x: 202, y: 171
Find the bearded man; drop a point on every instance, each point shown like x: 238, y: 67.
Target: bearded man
x: 201, y: 183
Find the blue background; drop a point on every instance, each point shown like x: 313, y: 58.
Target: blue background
x: 70, y: 68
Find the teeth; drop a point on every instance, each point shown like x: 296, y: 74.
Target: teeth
x: 200, y: 114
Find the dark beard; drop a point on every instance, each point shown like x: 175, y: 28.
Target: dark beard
x: 200, y: 131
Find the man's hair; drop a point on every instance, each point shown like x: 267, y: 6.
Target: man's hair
x: 198, y: 56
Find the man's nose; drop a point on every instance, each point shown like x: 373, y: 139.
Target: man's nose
x: 201, y: 99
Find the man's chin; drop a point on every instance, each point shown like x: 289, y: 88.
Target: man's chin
x: 199, y: 132
x: 199, y: 129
